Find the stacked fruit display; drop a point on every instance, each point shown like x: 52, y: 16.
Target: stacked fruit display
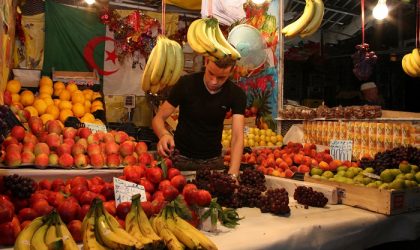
x: 53, y: 145
x: 54, y: 101
x: 406, y: 176
x: 309, y: 22
x: 205, y: 37
x: 411, y: 63
x: 254, y: 137
x: 164, y: 66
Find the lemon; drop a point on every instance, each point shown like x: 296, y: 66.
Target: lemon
x: 27, y: 98
x: 59, y: 85
x: 77, y: 97
x: 64, y: 114
x: 40, y: 106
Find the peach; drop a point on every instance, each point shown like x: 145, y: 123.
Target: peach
x: 53, y: 159
x: 121, y: 137
x: 28, y: 157
x: 112, y: 148
x: 66, y: 160
x: 126, y: 148
x: 293, y: 168
x: 29, y: 146
x: 78, y: 149
x: 84, y: 132
x: 69, y: 141
x: 303, y: 168
x: 275, y: 172
x: 141, y: 147
x: 18, y: 132
x: 42, y: 136
x: 8, y: 141
x: 327, y: 158
x: 53, y: 141
x: 81, y: 160
x: 64, y: 149
x: 97, y: 160
x: 284, y: 165
x: 307, y: 160
x: 100, y: 135
x: 93, y: 139
x: 129, y: 160
x: 289, y: 173
x: 53, y: 126
x: 83, y: 142
x: 13, y: 158
x: 298, y: 159
x: 324, y: 166
x: 29, y: 137
x: 93, y: 149
x: 288, y: 160
x: 14, y: 147
x: 113, y: 160
x: 314, y: 163
x: 69, y: 132
x: 108, y: 137
x: 41, y: 148
x: 35, y: 124
x: 334, y: 164
x: 41, y: 160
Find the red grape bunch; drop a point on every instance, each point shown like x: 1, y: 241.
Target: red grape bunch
x: 253, y: 178
x: 275, y: 201
x: 363, y: 61
x: 308, y: 197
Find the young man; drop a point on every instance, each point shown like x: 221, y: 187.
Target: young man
x: 203, y: 99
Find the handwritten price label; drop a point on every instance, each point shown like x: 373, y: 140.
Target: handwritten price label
x: 95, y: 127
x: 341, y: 149
x: 124, y: 190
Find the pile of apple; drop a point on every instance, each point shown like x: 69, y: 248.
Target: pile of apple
x: 294, y: 157
x: 406, y: 176
x: 53, y: 145
x: 255, y: 137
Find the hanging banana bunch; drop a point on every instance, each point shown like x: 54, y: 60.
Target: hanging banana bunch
x: 206, y: 38
x: 164, y: 66
x: 411, y: 63
x: 308, y: 23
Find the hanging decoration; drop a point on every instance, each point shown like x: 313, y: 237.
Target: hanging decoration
x: 131, y: 33
x: 363, y: 59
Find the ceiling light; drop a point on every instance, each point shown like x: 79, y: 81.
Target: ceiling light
x: 381, y: 10
x: 90, y: 1
x: 258, y: 1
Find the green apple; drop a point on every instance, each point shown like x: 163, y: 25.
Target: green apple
x: 341, y: 173
x: 358, y: 179
x: 328, y: 174
x: 405, y: 167
x: 378, y: 183
x: 369, y: 170
x: 397, y: 184
x: 340, y: 168
x: 400, y: 176
x: 316, y: 171
x: 395, y: 171
x: 349, y: 181
x: 387, y: 176
x: 356, y: 170
x: 349, y: 174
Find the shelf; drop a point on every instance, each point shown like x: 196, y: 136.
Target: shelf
x: 350, y: 120
x: 40, y: 174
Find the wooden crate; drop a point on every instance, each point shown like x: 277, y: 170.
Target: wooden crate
x: 382, y: 201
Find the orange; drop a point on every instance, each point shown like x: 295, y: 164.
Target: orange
x: 40, y: 106
x: 13, y: 86
x: 71, y: 87
x: 88, y: 96
x: 64, y: 114
x: 53, y: 111
x: 96, y: 95
x: 78, y: 110
x: 59, y: 85
x: 56, y: 102
x: 44, y: 95
x: 46, y: 89
x: 46, y: 117
x: 77, y: 97
x: 65, y: 95
x: 45, y: 81
x: 27, y: 98
x: 65, y: 105
x: 32, y: 110
x: 48, y: 101
x: 87, y: 91
x: 15, y: 98
x: 87, y: 105
x: 88, y: 117
x: 97, y: 103
x: 94, y: 108
x: 57, y: 92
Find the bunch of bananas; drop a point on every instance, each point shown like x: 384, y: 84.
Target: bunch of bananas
x: 309, y: 22
x: 102, y: 231
x: 205, y: 37
x: 164, y: 66
x: 177, y: 233
x: 138, y: 225
x: 44, y: 233
x: 411, y: 63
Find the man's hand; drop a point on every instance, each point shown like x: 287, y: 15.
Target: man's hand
x: 165, y: 145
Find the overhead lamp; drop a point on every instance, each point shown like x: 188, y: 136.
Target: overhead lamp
x: 380, y: 11
x: 90, y: 1
x: 258, y: 1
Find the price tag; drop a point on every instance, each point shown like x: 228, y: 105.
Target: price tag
x: 341, y: 149
x: 373, y: 176
x: 124, y: 190
x: 95, y: 127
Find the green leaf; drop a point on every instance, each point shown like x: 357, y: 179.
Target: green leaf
x: 164, y: 169
x: 181, y: 208
x: 213, y: 216
x: 205, y: 215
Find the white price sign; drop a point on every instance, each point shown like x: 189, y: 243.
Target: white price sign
x: 95, y: 127
x: 124, y: 190
x: 341, y: 149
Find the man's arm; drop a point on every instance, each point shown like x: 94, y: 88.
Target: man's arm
x: 237, y: 144
x: 166, y: 142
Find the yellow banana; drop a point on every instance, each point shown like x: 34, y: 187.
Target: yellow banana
x: 414, y: 64
x: 202, y: 37
x: 68, y: 241
x: 37, y: 241
x: 132, y: 227
x: 205, y: 242
x: 171, y: 242
x: 89, y: 239
x: 159, y: 66
x: 144, y: 224
x: 192, y: 39
x: 316, y: 20
x: 179, y: 63
x: 223, y: 42
x: 186, y: 237
x: 221, y: 52
x: 117, y: 229
x: 111, y: 239
x: 170, y: 64
x: 416, y: 56
x: 23, y: 241
x: 408, y: 68
x: 51, y: 235
x: 147, y: 72
x: 297, y: 26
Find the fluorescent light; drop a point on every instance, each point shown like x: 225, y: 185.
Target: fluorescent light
x: 258, y: 1
x: 380, y: 11
x: 89, y: 1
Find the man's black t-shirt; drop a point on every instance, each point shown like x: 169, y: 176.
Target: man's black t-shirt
x: 201, y: 115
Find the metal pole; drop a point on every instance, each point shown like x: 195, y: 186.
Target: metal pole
x: 280, y: 65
